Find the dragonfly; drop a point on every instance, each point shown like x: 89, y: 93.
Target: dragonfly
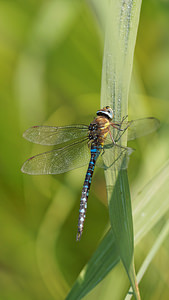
x: 78, y: 145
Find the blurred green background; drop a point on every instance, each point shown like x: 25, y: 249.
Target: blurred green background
x: 50, y: 73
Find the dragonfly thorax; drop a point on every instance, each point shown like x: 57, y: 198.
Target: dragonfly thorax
x: 98, y: 130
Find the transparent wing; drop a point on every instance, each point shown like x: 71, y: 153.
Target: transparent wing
x: 114, y: 155
x: 118, y: 156
x: 136, y: 128
x: 49, y: 135
x: 59, y: 160
x: 142, y: 127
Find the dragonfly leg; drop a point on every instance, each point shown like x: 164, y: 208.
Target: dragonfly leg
x: 118, y: 125
x: 112, y: 138
x: 124, y: 129
x: 115, y: 142
x: 103, y: 151
x: 118, y: 137
x: 124, y: 118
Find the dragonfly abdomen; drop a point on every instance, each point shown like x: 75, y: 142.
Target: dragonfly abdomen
x: 95, y: 151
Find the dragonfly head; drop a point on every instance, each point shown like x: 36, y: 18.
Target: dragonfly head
x: 106, y: 112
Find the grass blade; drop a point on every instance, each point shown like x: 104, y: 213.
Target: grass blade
x: 121, y: 223
x: 122, y: 24
x: 107, y: 256
x: 162, y: 236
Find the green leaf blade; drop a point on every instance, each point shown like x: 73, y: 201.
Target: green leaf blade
x: 120, y: 212
x: 104, y: 259
x: 122, y: 24
x: 107, y: 256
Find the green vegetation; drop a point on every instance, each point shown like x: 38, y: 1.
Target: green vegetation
x: 51, y: 62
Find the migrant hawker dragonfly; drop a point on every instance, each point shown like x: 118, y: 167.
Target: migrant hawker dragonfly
x: 77, y: 145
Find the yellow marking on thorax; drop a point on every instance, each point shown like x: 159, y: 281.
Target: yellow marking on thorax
x: 103, y: 138
x: 105, y: 124
x: 103, y: 128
